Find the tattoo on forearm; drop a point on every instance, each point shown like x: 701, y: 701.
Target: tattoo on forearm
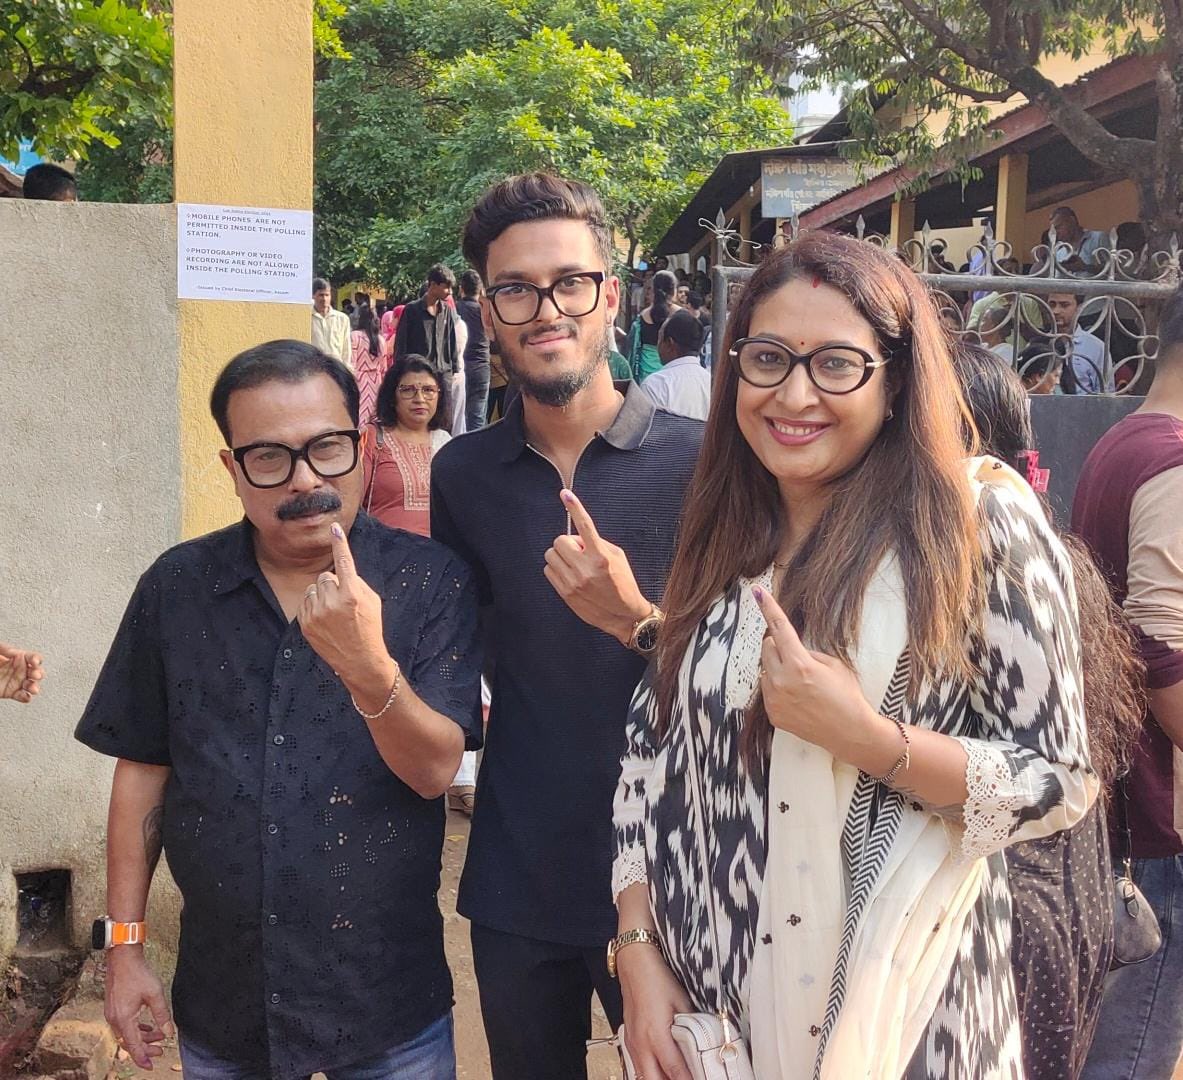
x: 153, y: 836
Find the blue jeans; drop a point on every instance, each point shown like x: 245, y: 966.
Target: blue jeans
x: 430, y: 1055
x: 476, y: 391
x: 1140, y: 1030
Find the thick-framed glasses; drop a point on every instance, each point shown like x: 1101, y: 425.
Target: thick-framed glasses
x: 271, y: 464
x: 518, y: 302
x: 833, y: 369
x: 409, y: 393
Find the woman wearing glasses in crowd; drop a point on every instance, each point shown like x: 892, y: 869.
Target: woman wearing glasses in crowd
x: 397, y: 448
x: 868, y: 756
x: 407, y: 430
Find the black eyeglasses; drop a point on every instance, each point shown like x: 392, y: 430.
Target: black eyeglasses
x: 271, y: 464
x: 518, y: 302
x: 833, y: 369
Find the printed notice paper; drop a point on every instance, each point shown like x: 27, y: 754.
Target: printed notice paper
x: 244, y: 253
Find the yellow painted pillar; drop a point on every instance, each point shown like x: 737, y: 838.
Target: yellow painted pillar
x: 903, y: 222
x: 745, y: 234
x: 1010, y: 206
x: 243, y: 88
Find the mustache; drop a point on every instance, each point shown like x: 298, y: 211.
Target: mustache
x: 324, y: 501
x: 570, y: 328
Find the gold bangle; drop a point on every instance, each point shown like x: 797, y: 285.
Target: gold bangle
x: 398, y: 680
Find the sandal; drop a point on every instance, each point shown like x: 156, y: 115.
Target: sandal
x: 462, y: 798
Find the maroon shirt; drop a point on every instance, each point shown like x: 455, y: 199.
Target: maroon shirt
x: 1134, y: 451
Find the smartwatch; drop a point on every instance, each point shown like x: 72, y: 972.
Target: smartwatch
x: 106, y: 933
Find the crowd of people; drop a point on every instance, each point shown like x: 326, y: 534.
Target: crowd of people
x: 807, y: 730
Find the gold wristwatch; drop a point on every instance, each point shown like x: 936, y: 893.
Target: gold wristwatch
x: 629, y: 937
x: 643, y: 639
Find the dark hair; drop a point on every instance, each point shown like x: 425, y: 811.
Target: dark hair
x: 536, y: 196
x: 46, y: 181
x: 440, y: 274
x: 367, y: 322
x: 319, y: 285
x: 1170, y: 325
x: 665, y: 287
x: 684, y: 329
x: 1037, y: 360
x: 278, y: 361
x: 998, y: 402
x: 386, y: 403
x: 470, y: 283
x: 1112, y: 667
x: 909, y: 494
x: 695, y: 299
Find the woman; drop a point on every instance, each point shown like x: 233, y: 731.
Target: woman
x: 642, y: 340
x: 868, y: 760
x: 397, y: 448
x: 370, y: 362
x: 1062, y: 885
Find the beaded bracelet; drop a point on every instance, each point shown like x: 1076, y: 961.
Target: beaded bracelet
x: 904, y: 760
x: 398, y: 681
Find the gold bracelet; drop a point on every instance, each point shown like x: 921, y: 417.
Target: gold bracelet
x: 904, y: 760
x: 398, y: 681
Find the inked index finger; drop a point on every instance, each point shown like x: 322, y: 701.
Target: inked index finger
x: 784, y: 635
x: 342, y: 556
x: 580, y: 518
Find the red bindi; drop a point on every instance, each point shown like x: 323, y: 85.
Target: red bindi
x: 816, y: 280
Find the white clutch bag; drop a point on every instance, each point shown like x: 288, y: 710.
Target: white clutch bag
x: 712, y: 1051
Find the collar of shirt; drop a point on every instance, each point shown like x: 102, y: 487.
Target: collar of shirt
x: 626, y: 432
x: 239, y: 564
x: 689, y: 360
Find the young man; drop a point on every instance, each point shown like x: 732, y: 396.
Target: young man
x: 330, y: 328
x: 571, y: 615
x: 1088, y: 350
x: 1129, y: 508
x: 683, y: 385
x: 476, y: 351
x: 288, y: 698
x: 430, y: 327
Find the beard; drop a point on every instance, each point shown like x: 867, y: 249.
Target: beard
x: 559, y: 389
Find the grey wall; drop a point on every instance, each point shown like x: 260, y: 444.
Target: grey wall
x: 1066, y: 429
x: 90, y: 495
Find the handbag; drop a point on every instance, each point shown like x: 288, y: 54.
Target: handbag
x: 1136, y: 933
x: 711, y: 1046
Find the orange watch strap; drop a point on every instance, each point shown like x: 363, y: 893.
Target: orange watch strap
x: 128, y: 933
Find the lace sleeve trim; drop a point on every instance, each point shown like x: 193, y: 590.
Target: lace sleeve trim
x: 990, y: 805
x: 628, y: 869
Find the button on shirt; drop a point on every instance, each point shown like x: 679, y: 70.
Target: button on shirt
x: 330, y: 334
x: 311, y: 936
x: 540, y: 852
x: 683, y: 386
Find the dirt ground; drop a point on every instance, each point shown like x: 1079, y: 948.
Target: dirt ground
x: 472, y: 1053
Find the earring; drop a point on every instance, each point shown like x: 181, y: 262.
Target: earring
x: 890, y: 414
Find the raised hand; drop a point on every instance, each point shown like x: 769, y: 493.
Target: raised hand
x: 593, y: 576
x: 818, y: 698
x: 20, y: 674
x: 341, y: 617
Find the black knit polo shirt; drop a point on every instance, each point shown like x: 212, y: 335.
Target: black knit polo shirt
x: 539, y: 857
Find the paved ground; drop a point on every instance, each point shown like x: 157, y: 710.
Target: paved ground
x: 472, y: 1053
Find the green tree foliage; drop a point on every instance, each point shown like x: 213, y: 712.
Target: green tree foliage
x: 955, y: 58
x: 70, y: 70
x: 638, y: 97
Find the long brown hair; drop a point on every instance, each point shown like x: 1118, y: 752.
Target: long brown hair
x: 909, y: 494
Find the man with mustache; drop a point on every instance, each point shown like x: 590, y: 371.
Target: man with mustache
x: 288, y: 699
x: 571, y: 614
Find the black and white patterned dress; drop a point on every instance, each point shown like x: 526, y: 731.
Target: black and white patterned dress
x: 1021, y: 722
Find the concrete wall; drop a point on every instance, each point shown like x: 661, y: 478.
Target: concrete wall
x: 90, y: 496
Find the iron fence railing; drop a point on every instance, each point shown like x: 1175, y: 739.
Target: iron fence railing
x: 1107, y: 311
